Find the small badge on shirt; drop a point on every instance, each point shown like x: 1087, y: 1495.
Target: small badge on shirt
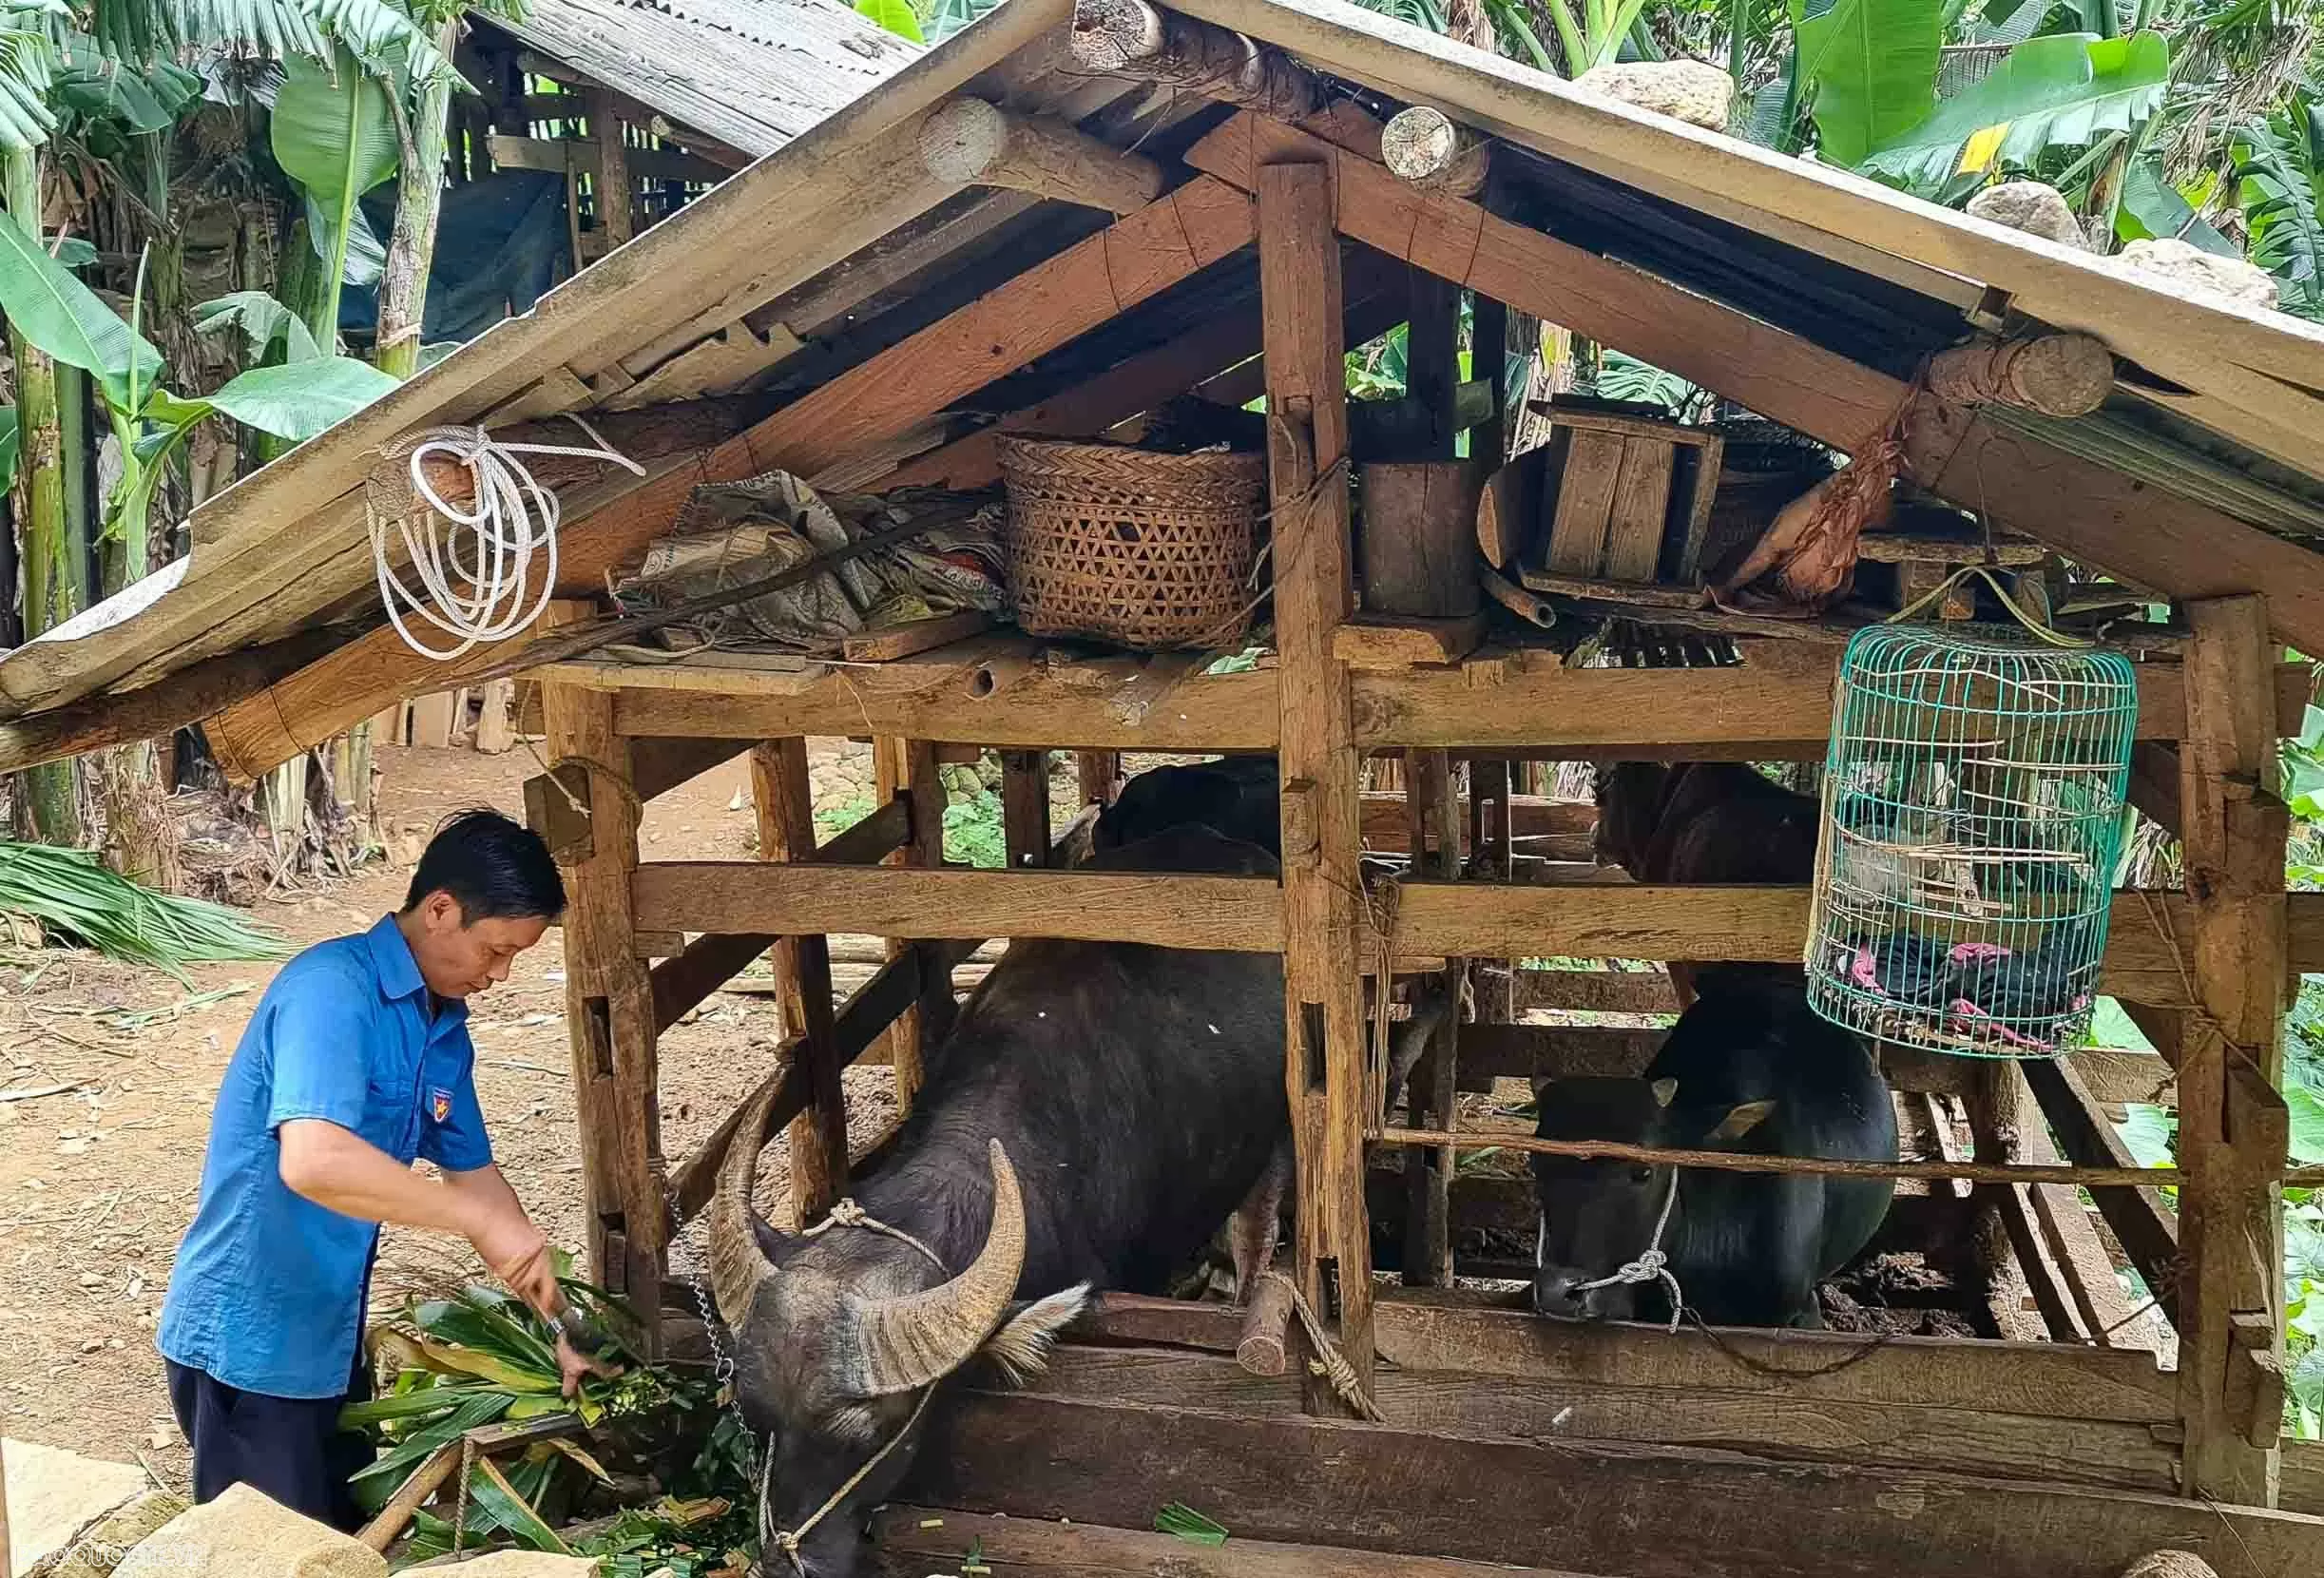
x: 439, y: 1102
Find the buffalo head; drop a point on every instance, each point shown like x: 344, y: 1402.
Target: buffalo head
x: 839, y: 1337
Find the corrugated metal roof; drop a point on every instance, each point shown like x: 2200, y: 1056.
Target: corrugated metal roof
x: 752, y: 73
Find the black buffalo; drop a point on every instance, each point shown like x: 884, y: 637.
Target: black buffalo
x: 1097, y: 1110
x: 1237, y: 795
x: 1748, y: 1068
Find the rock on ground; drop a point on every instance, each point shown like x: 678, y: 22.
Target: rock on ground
x: 244, y: 1534
x: 2033, y: 207
x: 2180, y: 266
x: 52, y: 1494
x: 1684, y: 89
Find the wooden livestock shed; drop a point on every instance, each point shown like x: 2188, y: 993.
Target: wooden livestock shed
x: 1200, y: 199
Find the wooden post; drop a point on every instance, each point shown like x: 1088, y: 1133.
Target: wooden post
x: 609, y: 1009
x: 1433, y: 815
x: 1306, y: 442
x: 1488, y: 341
x: 1993, y: 1102
x: 785, y: 804
x: 2231, y: 1318
x: 613, y: 190
x: 1433, y: 359
x: 1098, y: 773
x: 1428, y: 149
x: 1025, y: 807
x: 1492, y: 859
x: 908, y: 767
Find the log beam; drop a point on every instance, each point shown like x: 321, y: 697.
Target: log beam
x: 907, y: 770
x: 1130, y: 38
x: 2052, y: 375
x: 2231, y: 1310
x: 1314, y: 592
x: 978, y: 144
x: 1429, y: 149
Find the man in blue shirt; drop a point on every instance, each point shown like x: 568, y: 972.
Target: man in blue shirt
x: 357, y: 1062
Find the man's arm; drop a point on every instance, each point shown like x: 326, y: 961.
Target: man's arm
x: 338, y: 1169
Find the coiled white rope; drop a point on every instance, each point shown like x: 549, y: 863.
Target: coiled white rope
x: 474, y: 564
x: 1653, y: 1263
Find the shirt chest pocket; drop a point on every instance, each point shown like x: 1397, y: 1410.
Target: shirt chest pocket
x: 392, y: 1101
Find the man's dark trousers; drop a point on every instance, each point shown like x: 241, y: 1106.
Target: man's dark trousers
x: 291, y: 1449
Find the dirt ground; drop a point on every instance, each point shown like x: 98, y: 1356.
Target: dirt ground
x: 98, y: 1181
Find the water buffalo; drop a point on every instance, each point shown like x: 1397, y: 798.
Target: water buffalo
x: 1237, y: 795
x: 1748, y: 1068
x: 1097, y: 1110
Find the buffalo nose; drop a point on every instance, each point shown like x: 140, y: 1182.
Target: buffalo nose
x: 1558, y: 1294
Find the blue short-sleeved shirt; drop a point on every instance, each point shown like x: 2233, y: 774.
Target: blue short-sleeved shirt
x: 267, y: 1291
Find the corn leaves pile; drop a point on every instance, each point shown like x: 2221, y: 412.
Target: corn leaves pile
x: 74, y: 895
x: 482, y: 1357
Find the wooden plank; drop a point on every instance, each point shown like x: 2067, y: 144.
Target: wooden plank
x: 1314, y: 592
x: 1713, y: 1514
x: 910, y: 1541
x: 2154, y: 783
x: 2098, y: 516
x: 907, y: 769
x: 1769, y: 1424
x: 564, y: 155
x: 432, y: 720
x: 785, y: 806
x: 1595, y: 990
x: 920, y: 635
x: 609, y: 1013
x: 1641, y: 508
x: 2142, y: 1224
x: 2230, y: 1221
x: 1433, y: 816
x: 1447, y: 1331
x: 1584, y: 503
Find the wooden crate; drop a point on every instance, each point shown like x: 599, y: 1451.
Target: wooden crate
x: 1623, y: 497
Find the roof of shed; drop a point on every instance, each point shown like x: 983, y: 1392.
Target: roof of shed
x: 840, y: 245
x: 752, y: 73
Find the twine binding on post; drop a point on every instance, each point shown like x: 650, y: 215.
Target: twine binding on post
x: 1329, y: 1361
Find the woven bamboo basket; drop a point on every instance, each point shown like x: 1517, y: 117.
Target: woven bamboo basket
x: 1153, y: 552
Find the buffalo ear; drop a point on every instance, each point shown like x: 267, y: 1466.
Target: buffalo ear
x: 1741, y: 1121
x: 1665, y: 1091
x: 1542, y: 1084
x: 1021, y: 1347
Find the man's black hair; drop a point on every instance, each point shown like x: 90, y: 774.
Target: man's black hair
x: 497, y: 869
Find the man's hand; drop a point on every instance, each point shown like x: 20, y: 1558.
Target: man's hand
x: 573, y: 1365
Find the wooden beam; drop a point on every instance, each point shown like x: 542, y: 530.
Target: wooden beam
x: 2054, y: 375
x: 978, y: 144
x: 2096, y: 515
x: 585, y: 156
x: 912, y: 1541
x: 2142, y: 1224
x: 1245, y: 915
x: 616, y: 169
x: 1494, y: 702
x: 2230, y: 1218
x: 2154, y: 783
x: 1025, y: 807
x: 1571, y: 1506
x: 1314, y: 592
x: 609, y: 1015
x: 907, y: 770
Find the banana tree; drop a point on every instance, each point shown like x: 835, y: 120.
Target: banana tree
x: 333, y: 134
x: 1866, y: 68
x: 2280, y: 186
x: 65, y: 320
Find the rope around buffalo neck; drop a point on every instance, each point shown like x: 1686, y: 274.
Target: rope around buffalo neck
x: 845, y: 1214
x: 481, y: 597
x: 1653, y: 1263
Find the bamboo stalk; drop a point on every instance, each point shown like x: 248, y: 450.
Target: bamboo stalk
x: 51, y: 581
x: 1615, y: 1150
x: 419, y: 199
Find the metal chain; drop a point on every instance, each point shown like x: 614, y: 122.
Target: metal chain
x: 722, y: 1358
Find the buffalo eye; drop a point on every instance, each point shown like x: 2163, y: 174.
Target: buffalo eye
x: 1642, y: 1175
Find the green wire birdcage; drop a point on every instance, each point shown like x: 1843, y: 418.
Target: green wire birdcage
x: 1972, y: 818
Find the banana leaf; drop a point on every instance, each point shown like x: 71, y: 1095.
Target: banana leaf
x: 62, y: 317
x: 2064, y: 90
x: 477, y: 1408
x: 503, y: 1506
x: 1870, y: 68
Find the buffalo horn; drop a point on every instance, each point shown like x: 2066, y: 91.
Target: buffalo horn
x: 919, y: 1339
x: 737, y: 1264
